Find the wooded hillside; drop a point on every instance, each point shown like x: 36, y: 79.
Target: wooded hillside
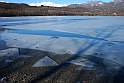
x: 14, y: 9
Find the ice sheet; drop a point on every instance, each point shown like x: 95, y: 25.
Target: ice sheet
x: 108, y: 29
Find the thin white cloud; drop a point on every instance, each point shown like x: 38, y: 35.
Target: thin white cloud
x: 48, y: 4
x: 3, y: 1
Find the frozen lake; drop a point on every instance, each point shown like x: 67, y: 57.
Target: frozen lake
x: 97, y: 36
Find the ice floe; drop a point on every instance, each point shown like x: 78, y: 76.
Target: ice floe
x: 45, y: 61
x: 12, y: 52
x: 85, y: 63
x: 9, y: 52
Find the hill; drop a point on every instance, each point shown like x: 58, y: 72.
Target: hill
x: 88, y: 9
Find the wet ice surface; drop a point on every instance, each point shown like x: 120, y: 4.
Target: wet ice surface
x: 98, y: 36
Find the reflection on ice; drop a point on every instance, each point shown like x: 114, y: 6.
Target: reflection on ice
x: 46, y: 61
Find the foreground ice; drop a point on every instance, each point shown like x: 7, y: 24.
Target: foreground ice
x: 83, y: 46
x: 46, y: 61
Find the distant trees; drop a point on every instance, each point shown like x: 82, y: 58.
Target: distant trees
x: 13, y: 9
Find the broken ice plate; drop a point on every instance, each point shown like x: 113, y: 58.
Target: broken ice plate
x: 9, y: 52
x: 46, y: 61
x: 82, y: 62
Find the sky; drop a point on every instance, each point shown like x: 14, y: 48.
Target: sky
x: 52, y: 2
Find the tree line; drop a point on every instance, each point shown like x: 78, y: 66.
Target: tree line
x: 14, y: 9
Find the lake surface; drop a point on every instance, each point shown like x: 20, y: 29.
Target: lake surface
x: 84, y: 35
x: 56, y: 49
